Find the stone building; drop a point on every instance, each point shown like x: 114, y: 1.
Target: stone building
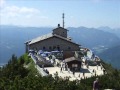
x: 57, y: 40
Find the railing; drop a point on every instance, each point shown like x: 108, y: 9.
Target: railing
x: 40, y: 70
x: 33, y: 58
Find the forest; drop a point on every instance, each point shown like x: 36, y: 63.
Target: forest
x: 21, y: 74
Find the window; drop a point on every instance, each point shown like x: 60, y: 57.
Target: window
x: 58, y: 48
x: 36, y: 49
x: 50, y: 47
x: 44, y: 48
x: 54, y: 47
x: 69, y: 48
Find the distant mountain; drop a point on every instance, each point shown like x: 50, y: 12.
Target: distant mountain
x: 12, y: 39
x: 112, y: 55
x: 108, y: 29
x: 105, y: 28
x: 95, y: 39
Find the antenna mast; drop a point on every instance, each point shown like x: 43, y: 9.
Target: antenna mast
x: 63, y: 20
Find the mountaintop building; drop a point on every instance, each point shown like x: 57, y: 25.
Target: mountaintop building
x: 58, y: 51
x: 57, y: 40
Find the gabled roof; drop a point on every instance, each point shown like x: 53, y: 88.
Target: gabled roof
x: 44, y: 37
x: 72, y: 59
x: 40, y: 38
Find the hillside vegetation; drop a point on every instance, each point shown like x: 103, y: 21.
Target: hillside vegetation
x: 20, y: 74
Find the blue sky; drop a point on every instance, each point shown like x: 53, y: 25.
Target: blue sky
x: 41, y: 13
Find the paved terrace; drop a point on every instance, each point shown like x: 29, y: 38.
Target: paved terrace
x: 83, y: 73
x: 88, y: 72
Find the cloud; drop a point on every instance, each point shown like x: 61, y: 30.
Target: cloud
x: 25, y: 16
x: 2, y: 3
x: 14, y: 11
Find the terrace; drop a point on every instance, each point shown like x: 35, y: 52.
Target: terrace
x: 49, y: 63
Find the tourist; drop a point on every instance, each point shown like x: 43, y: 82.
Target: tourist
x: 68, y: 70
x: 101, y: 68
x: 43, y: 66
x: 93, y: 71
x: 83, y: 74
x: 61, y: 69
x: 73, y: 73
x: 97, y: 67
x: 96, y: 84
x: 56, y: 73
x: 66, y: 66
x: 63, y: 66
x: 79, y: 76
x: 87, y: 66
x: 47, y: 71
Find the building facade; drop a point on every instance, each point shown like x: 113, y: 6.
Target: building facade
x: 54, y: 43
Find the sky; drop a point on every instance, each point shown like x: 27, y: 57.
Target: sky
x: 48, y: 13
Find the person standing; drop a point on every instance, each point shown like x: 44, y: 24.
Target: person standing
x: 68, y: 70
x: 79, y: 75
x: 83, y: 74
x: 61, y: 69
x: 95, y: 73
x: 73, y: 73
x: 96, y: 84
x: 97, y: 67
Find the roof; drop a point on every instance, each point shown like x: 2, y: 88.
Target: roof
x: 40, y: 38
x: 44, y: 37
x: 61, y: 28
x: 72, y: 59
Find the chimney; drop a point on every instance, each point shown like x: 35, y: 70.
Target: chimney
x: 58, y: 25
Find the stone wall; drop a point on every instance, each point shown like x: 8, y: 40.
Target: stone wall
x: 54, y: 43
